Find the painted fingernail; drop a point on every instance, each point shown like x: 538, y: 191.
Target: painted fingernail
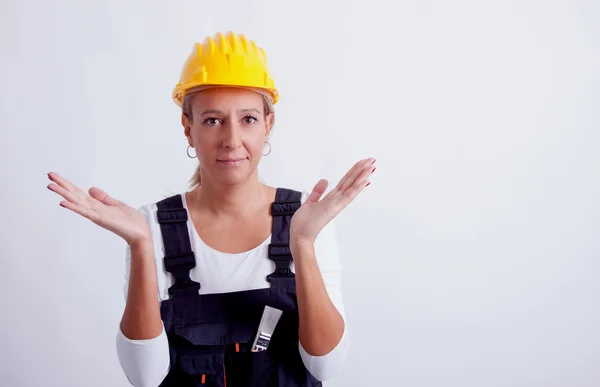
x: 373, y: 161
x: 373, y: 169
x: 368, y: 184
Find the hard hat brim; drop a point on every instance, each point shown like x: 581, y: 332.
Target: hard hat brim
x: 179, y: 92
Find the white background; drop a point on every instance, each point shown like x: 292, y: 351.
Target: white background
x: 471, y: 260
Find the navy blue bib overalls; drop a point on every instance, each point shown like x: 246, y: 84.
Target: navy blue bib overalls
x: 210, y: 334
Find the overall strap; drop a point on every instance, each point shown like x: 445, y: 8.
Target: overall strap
x: 179, y: 257
x: 283, y: 208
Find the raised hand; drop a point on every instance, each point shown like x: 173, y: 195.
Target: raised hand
x: 100, y: 208
x: 315, y: 214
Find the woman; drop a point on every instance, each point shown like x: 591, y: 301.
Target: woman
x: 216, y: 255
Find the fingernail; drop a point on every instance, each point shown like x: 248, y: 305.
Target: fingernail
x: 373, y: 169
x: 368, y: 184
x: 373, y: 161
x: 62, y: 205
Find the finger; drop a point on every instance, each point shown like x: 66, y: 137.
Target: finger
x: 103, y: 197
x: 71, y: 196
x: 343, y: 180
x: 343, y: 198
x: 353, y: 192
x: 363, y: 176
x: 78, y: 209
x: 318, y: 191
x: 58, y: 179
x: 362, y: 168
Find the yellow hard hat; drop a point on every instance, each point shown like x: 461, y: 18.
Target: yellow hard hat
x: 226, y: 60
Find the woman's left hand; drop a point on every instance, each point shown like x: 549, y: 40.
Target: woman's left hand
x: 315, y: 214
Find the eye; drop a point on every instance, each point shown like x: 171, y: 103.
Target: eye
x: 212, y: 121
x: 250, y: 120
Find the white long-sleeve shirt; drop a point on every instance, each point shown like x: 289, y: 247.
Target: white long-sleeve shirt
x: 147, y: 362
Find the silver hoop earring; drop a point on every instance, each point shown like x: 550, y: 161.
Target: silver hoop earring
x: 188, y: 153
x: 266, y: 154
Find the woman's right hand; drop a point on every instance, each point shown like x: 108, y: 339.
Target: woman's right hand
x: 100, y: 208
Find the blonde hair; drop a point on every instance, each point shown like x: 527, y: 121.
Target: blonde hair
x: 186, y: 109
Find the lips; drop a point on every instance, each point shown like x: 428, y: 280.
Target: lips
x: 231, y: 162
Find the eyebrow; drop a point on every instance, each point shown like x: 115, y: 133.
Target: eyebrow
x: 219, y: 112
x: 249, y: 110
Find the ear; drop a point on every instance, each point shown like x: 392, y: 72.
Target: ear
x: 185, y: 122
x: 268, y: 124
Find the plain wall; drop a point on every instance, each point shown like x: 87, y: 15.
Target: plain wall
x: 471, y: 260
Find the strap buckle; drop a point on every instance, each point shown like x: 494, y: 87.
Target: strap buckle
x: 178, y: 215
x: 180, y: 263
x: 282, y: 256
x: 278, y: 250
x: 184, y: 287
x: 285, y: 208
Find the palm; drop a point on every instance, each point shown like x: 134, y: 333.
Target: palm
x: 315, y: 214
x: 97, y: 206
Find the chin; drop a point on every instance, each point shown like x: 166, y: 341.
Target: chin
x: 233, y: 177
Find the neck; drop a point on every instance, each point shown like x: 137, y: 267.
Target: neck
x: 233, y: 200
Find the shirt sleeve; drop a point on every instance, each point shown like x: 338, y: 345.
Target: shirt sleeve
x: 330, y: 266
x: 145, y: 362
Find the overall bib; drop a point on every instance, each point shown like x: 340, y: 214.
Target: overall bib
x: 210, y: 335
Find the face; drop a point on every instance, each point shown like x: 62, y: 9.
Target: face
x: 228, y: 131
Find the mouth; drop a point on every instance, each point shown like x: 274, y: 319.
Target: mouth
x: 231, y: 162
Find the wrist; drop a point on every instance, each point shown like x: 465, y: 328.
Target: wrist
x: 141, y: 243
x: 301, y: 247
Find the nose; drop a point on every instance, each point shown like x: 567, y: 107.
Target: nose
x: 232, y: 137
